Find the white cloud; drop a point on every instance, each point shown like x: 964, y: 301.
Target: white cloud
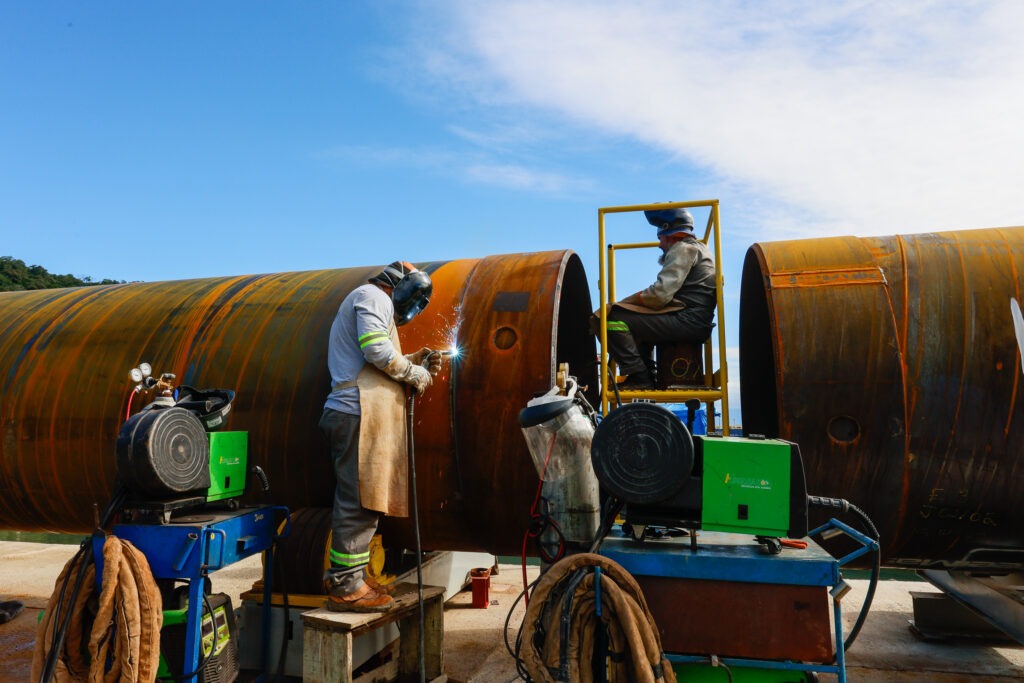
x: 856, y: 117
x: 521, y: 178
x: 471, y: 167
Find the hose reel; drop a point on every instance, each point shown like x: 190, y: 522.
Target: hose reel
x: 642, y: 453
x: 163, y: 453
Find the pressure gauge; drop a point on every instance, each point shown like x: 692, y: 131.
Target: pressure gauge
x: 136, y: 375
x: 146, y: 369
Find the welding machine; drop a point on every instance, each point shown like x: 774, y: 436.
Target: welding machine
x: 219, y: 644
x: 173, y: 461
x: 170, y: 457
x: 771, y: 610
x: 644, y: 456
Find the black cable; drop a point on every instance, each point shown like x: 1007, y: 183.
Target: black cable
x: 615, y: 388
x: 202, y: 655
x: 61, y: 625
x: 416, y: 530
x: 719, y: 663
x: 606, y: 525
x: 845, y: 506
x: 282, y: 656
x: 876, y: 570
x: 514, y: 651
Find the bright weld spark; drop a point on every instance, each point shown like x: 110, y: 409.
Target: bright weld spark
x: 452, y: 333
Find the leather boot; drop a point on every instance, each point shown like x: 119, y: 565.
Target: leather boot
x: 363, y: 599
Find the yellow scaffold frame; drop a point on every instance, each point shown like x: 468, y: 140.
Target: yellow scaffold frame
x: 716, y: 381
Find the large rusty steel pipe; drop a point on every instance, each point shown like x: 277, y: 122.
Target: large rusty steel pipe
x: 64, y: 387
x: 893, y: 362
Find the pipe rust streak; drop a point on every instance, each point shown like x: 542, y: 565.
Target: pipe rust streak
x: 265, y: 336
x: 915, y: 365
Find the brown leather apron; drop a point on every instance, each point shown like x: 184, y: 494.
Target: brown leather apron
x: 383, y: 467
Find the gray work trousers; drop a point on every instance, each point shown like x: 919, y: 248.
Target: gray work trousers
x: 353, y: 526
x: 632, y: 349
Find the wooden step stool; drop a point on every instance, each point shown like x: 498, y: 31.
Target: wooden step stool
x: 327, y: 636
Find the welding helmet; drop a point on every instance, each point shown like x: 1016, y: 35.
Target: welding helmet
x: 670, y: 221
x: 410, y: 289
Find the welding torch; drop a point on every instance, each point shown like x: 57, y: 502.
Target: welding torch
x: 441, y: 355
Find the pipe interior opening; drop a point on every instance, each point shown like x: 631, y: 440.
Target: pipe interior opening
x: 758, y: 392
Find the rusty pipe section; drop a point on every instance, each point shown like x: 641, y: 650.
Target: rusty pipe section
x: 64, y: 387
x: 893, y: 362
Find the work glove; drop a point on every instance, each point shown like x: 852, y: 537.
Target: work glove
x: 428, y: 358
x: 402, y: 370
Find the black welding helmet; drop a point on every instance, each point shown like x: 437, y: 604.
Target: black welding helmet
x: 410, y: 289
x: 670, y: 221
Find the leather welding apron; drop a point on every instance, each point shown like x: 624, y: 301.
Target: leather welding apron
x: 383, y: 465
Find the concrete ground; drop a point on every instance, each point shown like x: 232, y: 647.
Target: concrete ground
x: 474, y: 646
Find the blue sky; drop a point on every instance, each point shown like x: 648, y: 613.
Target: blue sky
x: 158, y: 140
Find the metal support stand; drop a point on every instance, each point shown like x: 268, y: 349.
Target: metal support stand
x: 190, y: 548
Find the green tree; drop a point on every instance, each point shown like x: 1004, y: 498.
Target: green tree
x: 16, y: 276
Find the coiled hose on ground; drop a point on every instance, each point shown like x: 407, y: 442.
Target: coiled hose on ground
x: 124, y: 638
x: 574, y: 604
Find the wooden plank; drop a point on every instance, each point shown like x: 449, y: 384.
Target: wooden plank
x: 433, y: 641
x: 360, y: 622
x: 277, y: 599
x: 327, y: 637
x: 385, y: 672
x: 326, y: 656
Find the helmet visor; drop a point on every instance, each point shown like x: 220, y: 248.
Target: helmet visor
x: 411, y: 296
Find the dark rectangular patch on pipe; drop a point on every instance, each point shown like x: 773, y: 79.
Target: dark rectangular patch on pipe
x: 511, y: 302
x: 827, y: 277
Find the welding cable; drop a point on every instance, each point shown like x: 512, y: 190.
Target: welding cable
x: 876, y: 565
x: 68, y: 608
x: 715, y: 662
x: 615, y: 389
x: 876, y: 570
x: 277, y: 564
x: 614, y: 506
x: 416, y: 530
x: 125, y: 629
x: 563, y: 621
x: 202, y: 653
x: 514, y: 651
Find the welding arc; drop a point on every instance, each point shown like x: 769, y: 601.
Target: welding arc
x: 565, y: 606
x: 126, y: 626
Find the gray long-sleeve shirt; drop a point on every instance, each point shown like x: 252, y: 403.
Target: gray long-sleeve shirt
x: 360, y: 334
x: 687, y: 277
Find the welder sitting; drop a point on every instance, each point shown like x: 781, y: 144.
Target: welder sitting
x: 364, y: 420
x: 678, y: 307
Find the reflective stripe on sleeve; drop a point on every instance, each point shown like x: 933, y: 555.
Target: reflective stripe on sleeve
x: 373, y: 337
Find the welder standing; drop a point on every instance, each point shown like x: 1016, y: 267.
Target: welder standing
x: 364, y: 420
x: 679, y: 306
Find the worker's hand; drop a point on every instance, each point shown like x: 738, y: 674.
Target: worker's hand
x: 428, y: 358
x: 403, y: 370
x: 419, y: 378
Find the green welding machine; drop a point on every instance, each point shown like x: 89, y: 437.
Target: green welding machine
x: 171, y: 456
x: 644, y: 456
